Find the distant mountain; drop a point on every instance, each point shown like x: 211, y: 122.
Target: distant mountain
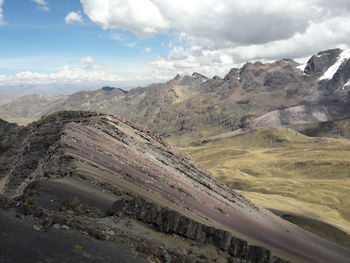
x: 73, y: 175
x: 187, y: 108
x: 331, y: 70
x: 25, y: 109
x: 6, y: 98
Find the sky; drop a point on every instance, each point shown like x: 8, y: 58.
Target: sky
x: 63, y: 46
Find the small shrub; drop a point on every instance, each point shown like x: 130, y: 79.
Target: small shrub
x: 31, y: 202
x: 78, y: 248
x: 122, y: 234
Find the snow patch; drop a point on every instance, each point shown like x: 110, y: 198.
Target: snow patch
x: 343, y: 57
x: 347, y: 84
x: 302, y: 66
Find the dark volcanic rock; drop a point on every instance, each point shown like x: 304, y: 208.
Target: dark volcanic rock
x: 278, y: 80
x: 9, y: 133
x: 172, y: 222
x: 107, y: 88
x: 318, y: 64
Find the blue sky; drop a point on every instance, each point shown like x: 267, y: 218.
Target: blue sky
x: 61, y: 46
x: 41, y: 41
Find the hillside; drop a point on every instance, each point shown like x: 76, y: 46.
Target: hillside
x: 285, y: 171
x: 84, y: 172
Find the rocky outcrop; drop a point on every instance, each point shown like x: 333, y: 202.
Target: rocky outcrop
x: 171, y: 222
x: 291, y: 116
x: 318, y: 64
x: 9, y: 132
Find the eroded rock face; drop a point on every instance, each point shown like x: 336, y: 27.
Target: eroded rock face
x: 8, y: 134
x: 172, y: 222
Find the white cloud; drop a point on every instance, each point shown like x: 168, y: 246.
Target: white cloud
x: 253, y: 21
x: 146, y: 50
x: 87, y: 60
x: 214, y: 35
x: 130, y: 44
x: 126, y: 14
x: 74, y: 17
x: 2, y: 22
x: 90, y: 63
x: 67, y: 75
x: 42, y: 5
x: 193, y: 59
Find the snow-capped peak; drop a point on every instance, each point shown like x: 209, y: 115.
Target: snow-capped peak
x: 344, y: 56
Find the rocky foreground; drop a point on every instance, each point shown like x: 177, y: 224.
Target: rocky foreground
x: 116, y: 193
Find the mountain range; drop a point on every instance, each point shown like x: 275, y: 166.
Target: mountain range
x: 188, y: 108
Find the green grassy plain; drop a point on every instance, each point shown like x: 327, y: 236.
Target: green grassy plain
x: 283, y: 170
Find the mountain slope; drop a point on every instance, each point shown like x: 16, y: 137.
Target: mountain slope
x: 283, y: 170
x: 336, y: 129
x: 97, y: 174
x: 331, y: 71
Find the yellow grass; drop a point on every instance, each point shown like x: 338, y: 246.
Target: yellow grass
x: 281, y: 169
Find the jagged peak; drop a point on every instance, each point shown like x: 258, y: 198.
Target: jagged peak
x: 108, y: 88
x: 341, y: 59
x: 178, y: 77
x: 318, y: 64
x: 332, y: 51
x: 199, y: 76
x: 233, y: 72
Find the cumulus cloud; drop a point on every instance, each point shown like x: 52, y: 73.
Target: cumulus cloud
x: 42, y: 5
x: 193, y: 59
x: 126, y: 14
x: 253, y: 22
x: 1, y: 13
x: 74, y: 17
x: 218, y: 34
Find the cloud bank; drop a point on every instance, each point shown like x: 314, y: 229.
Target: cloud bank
x: 1, y: 13
x: 67, y: 75
x: 214, y: 35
